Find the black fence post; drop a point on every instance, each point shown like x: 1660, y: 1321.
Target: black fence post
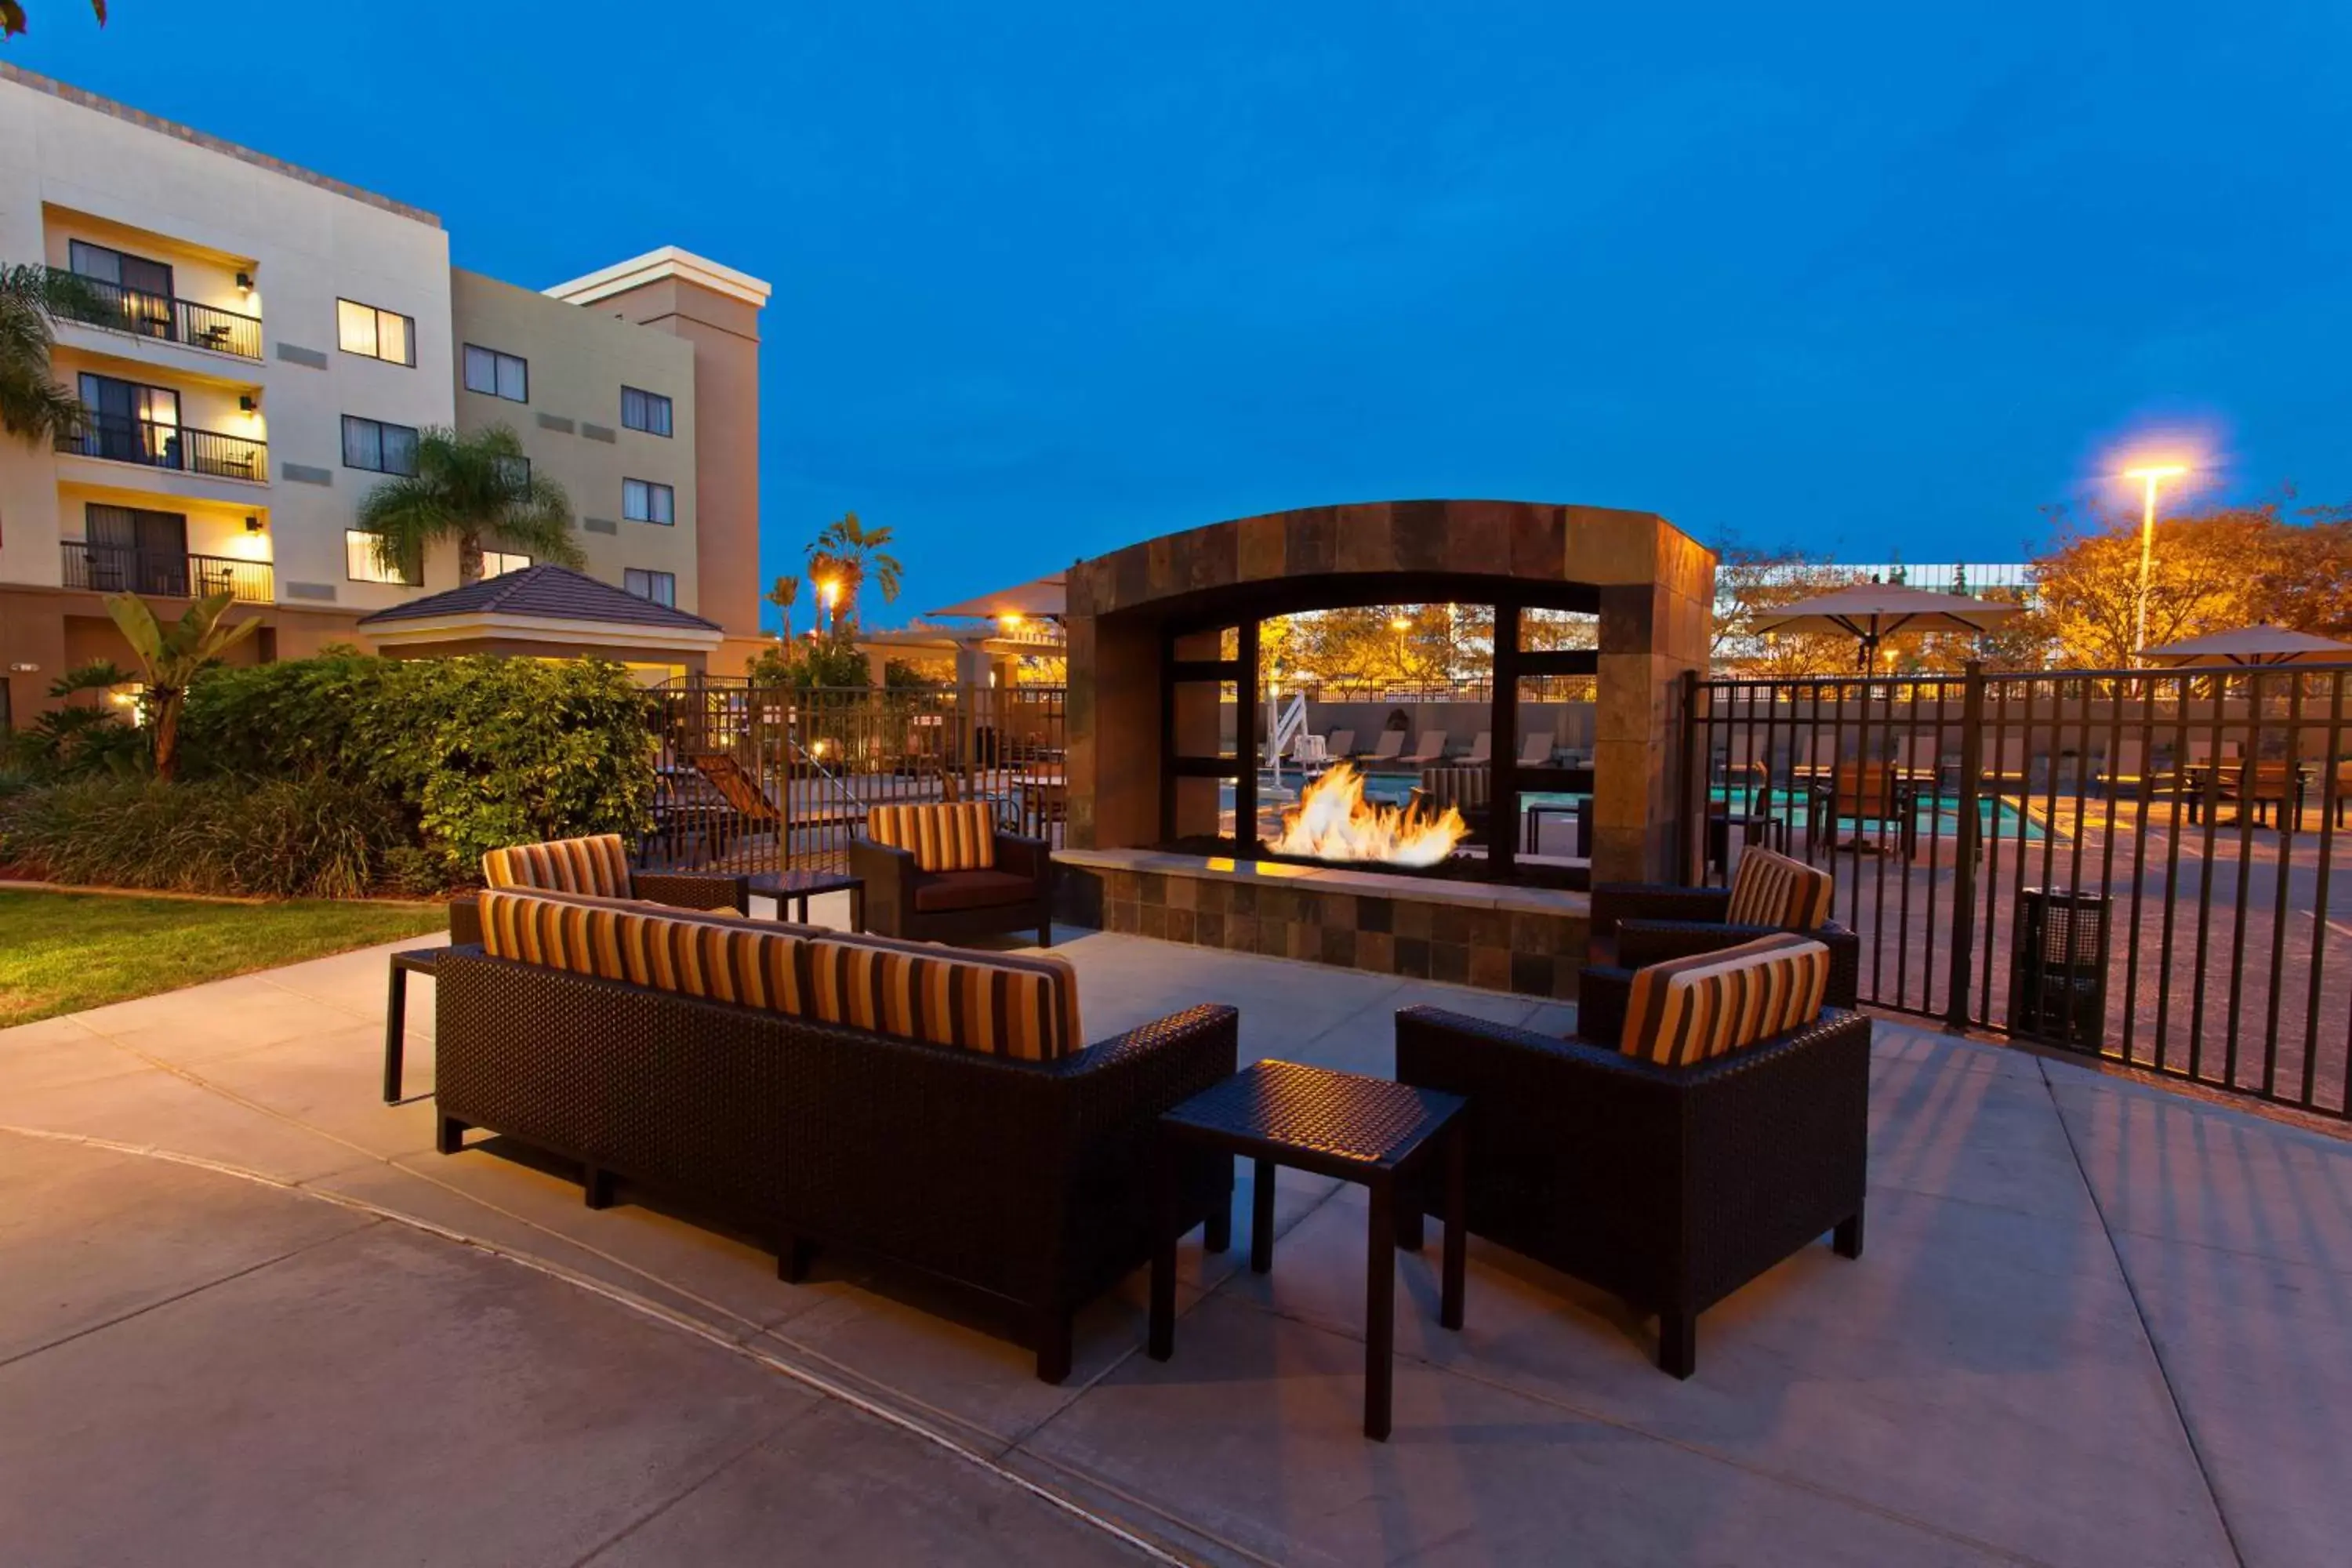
x: 1693, y: 791
x: 1964, y: 857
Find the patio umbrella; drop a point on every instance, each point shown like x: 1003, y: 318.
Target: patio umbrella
x: 2252, y: 645
x: 1047, y: 598
x: 1870, y: 610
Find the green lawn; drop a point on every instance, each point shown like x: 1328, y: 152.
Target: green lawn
x: 61, y: 952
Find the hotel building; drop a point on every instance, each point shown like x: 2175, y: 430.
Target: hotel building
x: 258, y: 346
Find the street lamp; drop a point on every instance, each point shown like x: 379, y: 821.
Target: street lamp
x: 2152, y: 476
x: 830, y: 591
x: 1400, y: 625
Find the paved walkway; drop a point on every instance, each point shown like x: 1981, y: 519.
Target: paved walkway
x: 247, y: 1316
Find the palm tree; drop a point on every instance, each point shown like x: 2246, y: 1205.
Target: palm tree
x: 784, y: 595
x: 170, y: 657
x: 478, y: 489
x: 33, y: 407
x: 847, y: 553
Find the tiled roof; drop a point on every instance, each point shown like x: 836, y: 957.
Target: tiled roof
x: 549, y: 592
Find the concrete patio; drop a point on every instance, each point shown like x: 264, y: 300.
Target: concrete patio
x: 246, y: 1315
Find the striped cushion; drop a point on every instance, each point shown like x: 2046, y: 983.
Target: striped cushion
x: 655, y: 907
x: 598, y: 866
x: 1771, y: 889
x: 1022, y: 1007
x: 959, y: 838
x: 1460, y: 787
x: 752, y: 965
x: 1003, y: 1005
x: 1689, y: 1010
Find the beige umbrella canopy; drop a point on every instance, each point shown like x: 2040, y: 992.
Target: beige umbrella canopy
x: 1047, y: 598
x: 1870, y: 610
x: 2252, y: 645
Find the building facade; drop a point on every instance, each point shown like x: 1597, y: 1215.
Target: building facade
x: 256, y: 346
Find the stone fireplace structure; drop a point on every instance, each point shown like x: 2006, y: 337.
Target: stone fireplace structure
x: 1160, y: 630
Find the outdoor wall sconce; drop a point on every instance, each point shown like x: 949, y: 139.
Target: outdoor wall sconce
x: 245, y: 402
x: 253, y: 525
x: 244, y: 282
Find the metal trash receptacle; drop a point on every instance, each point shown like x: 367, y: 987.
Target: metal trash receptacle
x: 2058, y: 966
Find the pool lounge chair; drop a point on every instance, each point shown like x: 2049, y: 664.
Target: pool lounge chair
x: 1387, y: 748
x: 1482, y: 749
x: 1340, y: 743
x: 1431, y: 750
x: 1537, y: 751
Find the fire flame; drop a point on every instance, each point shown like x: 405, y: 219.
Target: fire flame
x: 1332, y: 821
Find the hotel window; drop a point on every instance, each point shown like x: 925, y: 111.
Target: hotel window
x: 642, y: 500
x: 379, y: 448
x: 661, y: 587
x: 498, y: 563
x: 646, y: 411
x: 497, y: 376
x: 361, y: 566
x: 516, y: 471
x: 378, y: 334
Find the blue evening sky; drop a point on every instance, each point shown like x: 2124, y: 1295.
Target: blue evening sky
x: 1053, y: 278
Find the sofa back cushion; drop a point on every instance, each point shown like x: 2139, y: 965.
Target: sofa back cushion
x: 752, y: 965
x: 999, y: 1004
x: 597, y: 866
x: 1463, y: 788
x: 1771, y: 889
x: 1689, y: 1010
x: 958, y: 837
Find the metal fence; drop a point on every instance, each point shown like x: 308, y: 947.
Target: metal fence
x: 2143, y: 864
x: 763, y: 779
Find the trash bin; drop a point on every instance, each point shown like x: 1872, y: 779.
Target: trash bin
x: 2058, y: 966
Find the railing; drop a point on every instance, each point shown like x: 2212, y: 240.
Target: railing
x: 121, y: 440
x: 160, y: 316
x: 119, y: 569
x: 2192, y: 824
x: 776, y: 778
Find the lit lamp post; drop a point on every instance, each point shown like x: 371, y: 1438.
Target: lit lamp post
x: 1400, y: 625
x: 2152, y: 476
x: 830, y: 591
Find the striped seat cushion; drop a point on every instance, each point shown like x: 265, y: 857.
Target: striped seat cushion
x: 1002, y: 1005
x: 1462, y: 788
x: 959, y: 838
x: 1690, y: 1010
x: 1771, y: 889
x: 597, y: 866
x: 751, y: 964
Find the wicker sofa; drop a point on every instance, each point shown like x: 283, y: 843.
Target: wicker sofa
x: 1636, y: 924
x: 1668, y: 1186
x: 947, y: 873
x: 799, y: 1099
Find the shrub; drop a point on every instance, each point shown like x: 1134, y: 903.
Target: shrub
x: 312, y: 837
x: 476, y: 753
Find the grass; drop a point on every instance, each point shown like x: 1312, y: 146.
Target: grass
x: 61, y: 952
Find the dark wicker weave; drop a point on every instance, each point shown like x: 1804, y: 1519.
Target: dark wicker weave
x: 1030, y: 1182
x: 1635, y: 924
x: 1669, y: 1186
x: 1021, y: 892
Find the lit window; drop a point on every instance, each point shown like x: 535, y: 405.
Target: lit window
x: 379, y: 448
x: 498, y: 563
x: 378, y: 334
x: 661, y: 587
x: 642, y: 500
x: 496, y: 375
x: 361, y: 566
x: 646, y: 411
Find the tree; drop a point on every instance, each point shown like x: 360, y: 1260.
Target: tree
x: 170, y: 657
x: 2211, y: 571
x: 844, y: 555
x: 784, y: 595
x: 12, y: 16
x: 1750, y: 581
x: 478, y: 489
x: 34, y: 407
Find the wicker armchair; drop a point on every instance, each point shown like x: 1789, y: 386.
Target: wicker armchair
x: 1635, y: 924
x: 942, y: 902
x: 1668, y: 1186
x: 596, y: 866
x: 1028, y: 1183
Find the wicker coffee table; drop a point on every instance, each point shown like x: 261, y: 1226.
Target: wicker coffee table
x: 1378, y: 1135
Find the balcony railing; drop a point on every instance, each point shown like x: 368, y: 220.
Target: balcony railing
x: 120, y: 439
x: 120, y: 569
x: 177, y: 320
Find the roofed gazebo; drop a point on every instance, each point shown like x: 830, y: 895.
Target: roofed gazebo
x: 547, y: 612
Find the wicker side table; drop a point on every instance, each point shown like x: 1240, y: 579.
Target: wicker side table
x: 414, y: 961
x: 1368, y: 1130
